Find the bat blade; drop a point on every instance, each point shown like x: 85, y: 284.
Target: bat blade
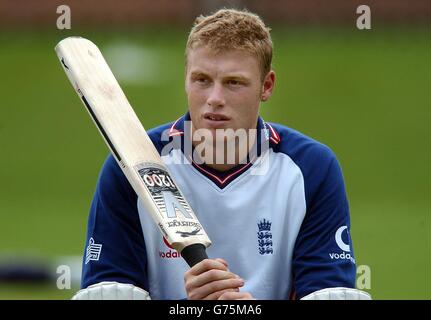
x: 130, y: 145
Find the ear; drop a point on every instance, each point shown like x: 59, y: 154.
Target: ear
x: 268, y: 85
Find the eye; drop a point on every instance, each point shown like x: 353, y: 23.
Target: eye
x: 202, y: 80
x: 234, y: 82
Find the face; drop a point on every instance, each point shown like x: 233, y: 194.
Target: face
x: 224, y: 90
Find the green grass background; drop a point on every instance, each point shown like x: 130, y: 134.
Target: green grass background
x: 363, y: 93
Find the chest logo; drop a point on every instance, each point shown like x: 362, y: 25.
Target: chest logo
x: 264, y: 237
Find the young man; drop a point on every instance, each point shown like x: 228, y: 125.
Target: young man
x: 279, y: 226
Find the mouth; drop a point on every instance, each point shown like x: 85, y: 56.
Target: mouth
x: 216, y: 117
x: 216, y: 120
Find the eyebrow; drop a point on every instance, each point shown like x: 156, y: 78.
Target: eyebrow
x: 230, y: 77
x: 198, y: 73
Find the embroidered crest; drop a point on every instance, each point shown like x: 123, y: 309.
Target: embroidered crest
x: 264, y: 237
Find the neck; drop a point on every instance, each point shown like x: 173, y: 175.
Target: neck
x: 221, y: 167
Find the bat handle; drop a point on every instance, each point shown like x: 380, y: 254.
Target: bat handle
x: 194, y: 253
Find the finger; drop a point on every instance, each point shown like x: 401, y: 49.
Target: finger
x: 227, y: 296
x: 222, y: 261
x: 232, y: 295
x: 206, y: 265
x: 215, y: 286
x: 210, y: 276
x: 216, y: 295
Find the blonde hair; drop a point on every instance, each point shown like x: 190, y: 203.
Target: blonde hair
x: 230, y: 29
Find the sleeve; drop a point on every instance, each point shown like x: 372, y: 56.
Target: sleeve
x: 115, y: 247
x: 323, y: 254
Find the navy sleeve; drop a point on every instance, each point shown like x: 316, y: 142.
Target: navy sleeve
x: 115, y: 247
x: 323, y: 254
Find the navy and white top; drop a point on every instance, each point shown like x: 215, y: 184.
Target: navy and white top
x: 284, y: 230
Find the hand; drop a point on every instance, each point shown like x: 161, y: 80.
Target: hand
x: 236, y: 296
x: 209, y: 279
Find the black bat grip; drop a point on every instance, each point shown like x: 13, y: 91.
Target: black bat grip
x: 194, y: 254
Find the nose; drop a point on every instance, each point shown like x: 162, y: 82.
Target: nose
x: 216, y: 96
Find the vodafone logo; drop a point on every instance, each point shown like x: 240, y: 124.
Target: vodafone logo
x: 169, y: 254
x: 345, y: 247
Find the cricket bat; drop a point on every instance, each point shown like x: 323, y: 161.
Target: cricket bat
x: 130, y: 145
